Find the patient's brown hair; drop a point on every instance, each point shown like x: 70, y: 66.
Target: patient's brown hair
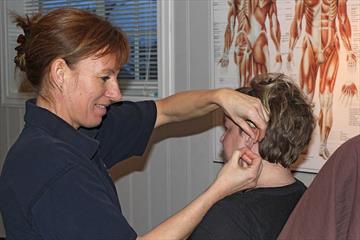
x: 291, y: 120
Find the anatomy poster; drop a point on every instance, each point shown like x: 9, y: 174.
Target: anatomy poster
x: 315, y: 42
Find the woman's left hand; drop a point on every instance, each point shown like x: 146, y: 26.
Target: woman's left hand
x: 242, y: 108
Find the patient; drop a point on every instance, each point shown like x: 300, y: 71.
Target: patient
x: 261, y: 212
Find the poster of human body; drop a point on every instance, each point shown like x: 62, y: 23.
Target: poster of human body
x: 315, y: 42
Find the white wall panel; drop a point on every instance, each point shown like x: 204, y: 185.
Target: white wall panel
x: 3, y: 150
x: 159, y: 186
x: 179, y: 174
x: 14, y: 124
x: 3, y: 135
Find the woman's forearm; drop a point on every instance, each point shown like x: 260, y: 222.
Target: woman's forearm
x: 186, y: 105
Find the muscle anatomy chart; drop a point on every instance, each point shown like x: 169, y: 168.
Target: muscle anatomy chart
x: 316, y: 42
x: 246, y: 28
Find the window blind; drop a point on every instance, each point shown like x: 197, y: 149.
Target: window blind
x: 138, y: 19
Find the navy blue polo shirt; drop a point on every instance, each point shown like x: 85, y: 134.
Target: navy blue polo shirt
x: 54, y: 182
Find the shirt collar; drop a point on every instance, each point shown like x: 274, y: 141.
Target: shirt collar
x: 59, y: 129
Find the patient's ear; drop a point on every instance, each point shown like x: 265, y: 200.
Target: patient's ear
x: 250, y: 143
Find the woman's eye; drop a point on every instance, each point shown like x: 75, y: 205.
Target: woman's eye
x: 105, y: 78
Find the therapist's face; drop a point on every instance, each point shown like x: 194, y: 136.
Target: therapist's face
x: 234, y: 138
x: 91, y: 87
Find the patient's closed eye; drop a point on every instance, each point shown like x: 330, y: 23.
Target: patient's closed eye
x: 105, y: 78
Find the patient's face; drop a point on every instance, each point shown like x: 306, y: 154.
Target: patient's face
x: 233, y: 138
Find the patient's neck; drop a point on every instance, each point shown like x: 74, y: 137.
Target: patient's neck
x: 274, y: 175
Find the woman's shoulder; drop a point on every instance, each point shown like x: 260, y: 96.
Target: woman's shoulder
x: 36, y: 146
x: 36, y: 158
x: 33, y: 165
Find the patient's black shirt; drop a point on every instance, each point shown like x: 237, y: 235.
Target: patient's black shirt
x: 253, y: 214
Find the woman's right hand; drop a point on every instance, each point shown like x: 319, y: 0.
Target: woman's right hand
x: 239, y: 173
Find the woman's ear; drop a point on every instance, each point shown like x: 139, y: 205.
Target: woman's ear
x: 57, y: 73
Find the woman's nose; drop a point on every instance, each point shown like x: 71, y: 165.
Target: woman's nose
x: 113, y: 90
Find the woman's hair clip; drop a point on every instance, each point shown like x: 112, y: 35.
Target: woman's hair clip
x: 21, y: 39
x: 19, y: 59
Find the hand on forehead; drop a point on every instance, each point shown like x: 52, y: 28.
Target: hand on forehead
x: 248, y: 140
x: 250, y: 123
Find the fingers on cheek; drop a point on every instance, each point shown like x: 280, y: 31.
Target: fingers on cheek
x: 243, y: 163
x: 245, y: 158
